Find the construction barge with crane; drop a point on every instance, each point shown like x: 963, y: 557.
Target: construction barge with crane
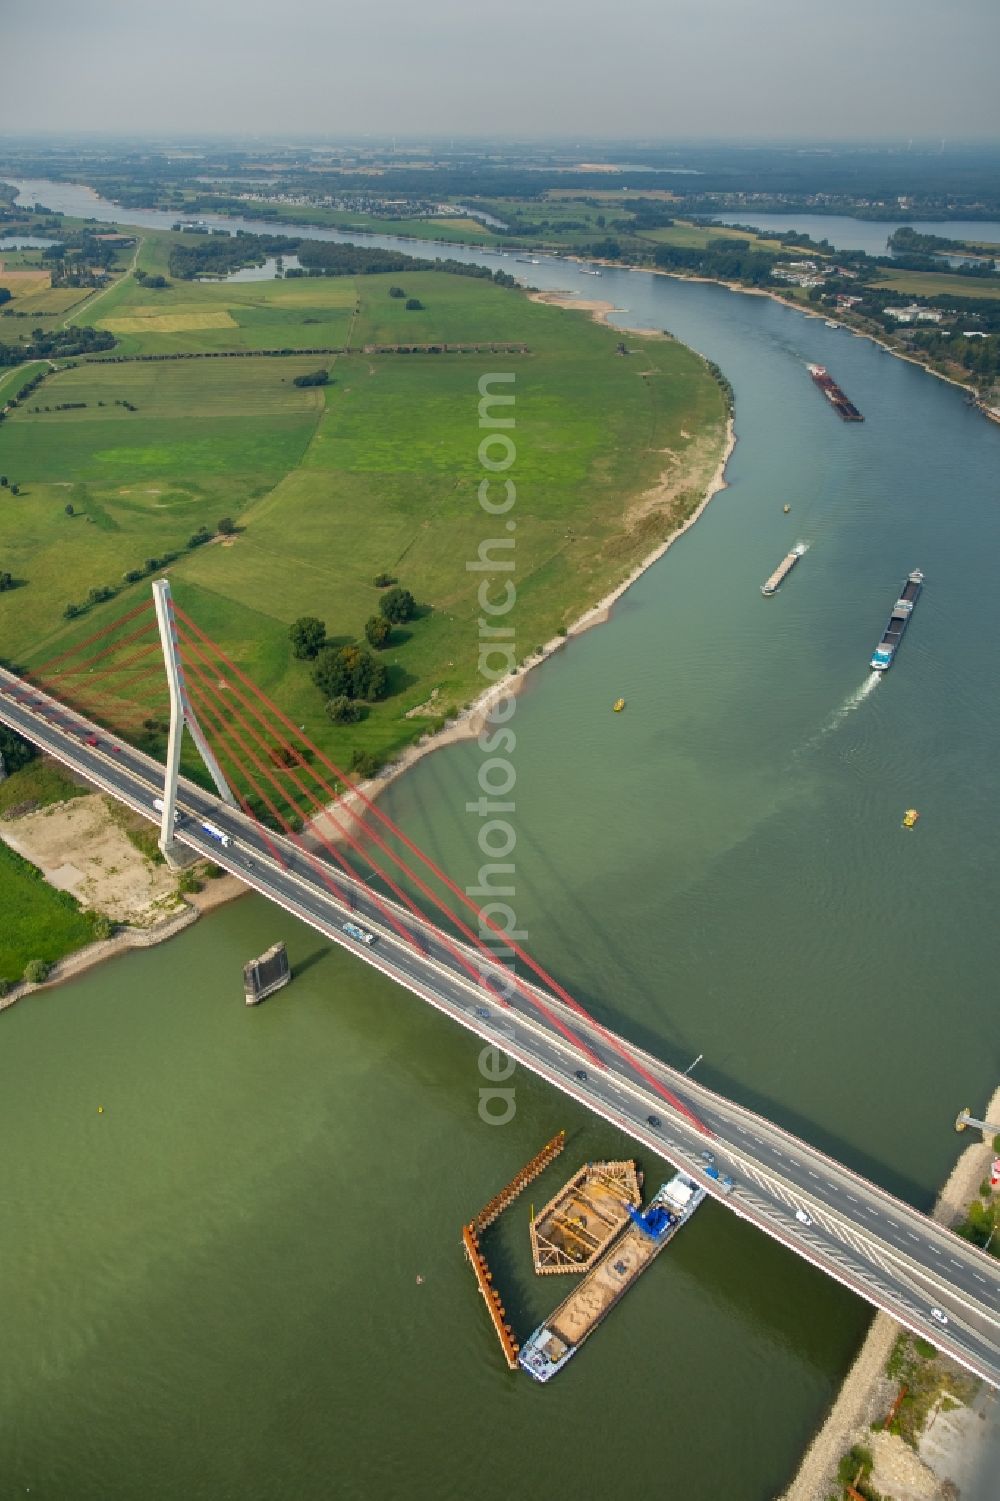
x: 834, y: 395
x: 553, y: 1343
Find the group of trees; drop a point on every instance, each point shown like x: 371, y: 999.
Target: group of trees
x: 60, y: 343
x: 346, y: 674
x: 314, y: 378
x: 220, y: 253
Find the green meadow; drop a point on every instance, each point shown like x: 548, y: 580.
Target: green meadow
x: 38, y: 921
x: 329, y: 486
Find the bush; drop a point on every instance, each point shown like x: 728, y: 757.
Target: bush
x: 199, y: 537
x: 396, y: 292
x: 71, y: 612
x: 364, y: 763
x: 383, y: 580
x: 414, y: 305
x: 314, y: 378
x: 36, y: 970
x: 103, y: 926
x: 226, y: 526
x: 212, y: 872
x: 398, y: 605
x: 343, y: 710
x: 308, y: 636
x: 4, y: 987
x: 377, y: 631
x: 15, y: 750
x: 188, y: 881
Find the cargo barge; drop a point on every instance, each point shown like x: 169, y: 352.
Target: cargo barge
x: 558, y: 1339
x: 782, y: 571
x: 897, y: 622
x: 834, y: 395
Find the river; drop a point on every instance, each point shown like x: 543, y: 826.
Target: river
x: 211, y: 1289
x: 869, y: 235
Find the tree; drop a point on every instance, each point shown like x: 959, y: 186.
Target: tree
x: 69, y: 510
x: 378, y: 630
x: 199, y: 537
x: 307, y: 635
x: 414, y: 305
x: 6, y: 581
x: 226, y: 526
x: 15, y: 489
x: 15, y: 750
x: 350, y: 672
x: 343, y: 710
x: 315, y: 378
x: 383, y: 580
x: 103, y: 927
x: 71, y: 612
x: 364, y: 763
x: 396, y: 292
x: 4, y: 295
x: 35, y: 971
x: 398, y: 605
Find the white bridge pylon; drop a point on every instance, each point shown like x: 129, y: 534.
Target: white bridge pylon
x: 181, y: 714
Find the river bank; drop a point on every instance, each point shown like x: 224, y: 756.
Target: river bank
x: 468, y: 724
x: 192, y: 906
x: 867, y: 1392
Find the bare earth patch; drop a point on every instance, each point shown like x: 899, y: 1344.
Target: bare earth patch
x: 81, y: 849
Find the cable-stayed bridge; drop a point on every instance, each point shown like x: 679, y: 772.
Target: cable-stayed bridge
x: 280, y: 821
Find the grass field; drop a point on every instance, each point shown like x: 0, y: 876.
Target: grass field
x: 307, y: 312
x: 329, y: 486
x: 697, y: 236
x: 38, y: 921
x: 933, y: 284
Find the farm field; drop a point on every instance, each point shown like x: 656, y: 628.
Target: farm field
x: 697, y: 236
x: 935, y: 284
x: 329, y: 486
x: 192, y: 316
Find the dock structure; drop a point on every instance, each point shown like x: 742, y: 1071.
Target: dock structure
x: 582, y: 1219
x: 501, y: 1201
x: 484, y: 1279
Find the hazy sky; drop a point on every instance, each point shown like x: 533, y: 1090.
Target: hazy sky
x: 647, y: 68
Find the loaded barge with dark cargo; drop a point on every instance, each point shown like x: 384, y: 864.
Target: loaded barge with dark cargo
x: 834, y: 394
x: 897, y: 623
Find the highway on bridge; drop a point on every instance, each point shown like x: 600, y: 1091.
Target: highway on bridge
x: 883, y: 1249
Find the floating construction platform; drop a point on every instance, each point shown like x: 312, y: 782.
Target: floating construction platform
x: 587, y: 1213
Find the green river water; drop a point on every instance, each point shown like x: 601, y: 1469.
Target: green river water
x: 244, y: 1278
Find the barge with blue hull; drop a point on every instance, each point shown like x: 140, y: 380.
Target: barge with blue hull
x: 899, y: 619
x: 558, y: 1339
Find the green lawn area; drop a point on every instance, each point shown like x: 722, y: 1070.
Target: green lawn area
x: 933, y: 284
x: 330, y: 486
x: 38, y: 921
x: 697, y: 236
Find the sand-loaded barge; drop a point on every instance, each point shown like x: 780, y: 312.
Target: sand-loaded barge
x: 834, y: 395
x: 784, y: 568
x: 562, y: 1334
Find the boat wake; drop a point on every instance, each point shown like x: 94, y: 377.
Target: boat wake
x: 852, y: 702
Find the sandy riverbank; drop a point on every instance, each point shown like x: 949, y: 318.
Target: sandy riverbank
x: 867, y: 1393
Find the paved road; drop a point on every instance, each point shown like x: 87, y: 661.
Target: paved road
x: 883, y: 1249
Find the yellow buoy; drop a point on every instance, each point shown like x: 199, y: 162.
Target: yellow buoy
x: 910, y: 817
x: 787, y: 509
x: 619, y: 705
x: 100, y: 1109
